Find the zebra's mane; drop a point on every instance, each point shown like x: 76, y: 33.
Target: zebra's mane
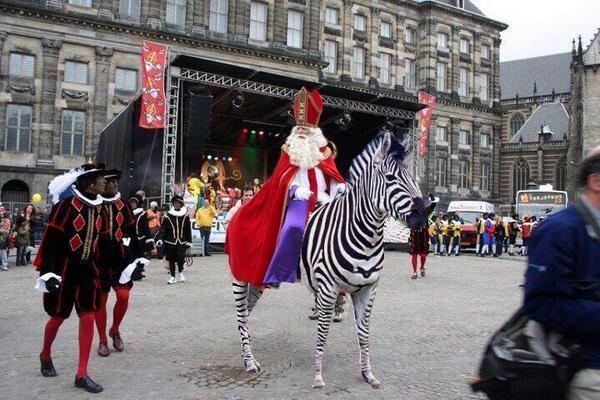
x: 365, y: 158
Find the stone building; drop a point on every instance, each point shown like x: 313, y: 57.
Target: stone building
x: 535, y: 100
x: 585, y: 105
x: 68, y: 66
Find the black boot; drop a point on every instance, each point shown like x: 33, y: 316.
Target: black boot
x: 85, y: 382
x: 47, y: 368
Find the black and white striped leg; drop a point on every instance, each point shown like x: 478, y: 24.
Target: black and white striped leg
x: 363, y: 303
x: 325, y: 305
x: 242, y: 292
x: 254, y: 294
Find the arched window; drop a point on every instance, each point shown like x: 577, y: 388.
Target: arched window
x: 15, y: 191
x: 561, y: 174
x: 520, y: 175
x: 516, y: 122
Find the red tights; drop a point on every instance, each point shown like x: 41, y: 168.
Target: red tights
x: 86, y: 336
x: 414, y: 261
x: 118, y: 312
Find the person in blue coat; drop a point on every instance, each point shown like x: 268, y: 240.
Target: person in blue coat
x: 562, y: 282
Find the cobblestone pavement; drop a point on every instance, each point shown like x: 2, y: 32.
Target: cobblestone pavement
x: 181, y: 341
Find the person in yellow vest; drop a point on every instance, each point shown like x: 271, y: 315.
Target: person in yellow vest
x: 204, y: 219
x: 433, y: 235
x: 456, y: 228
x: 443, y: 235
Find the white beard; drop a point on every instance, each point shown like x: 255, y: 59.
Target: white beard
x: 304, y: 152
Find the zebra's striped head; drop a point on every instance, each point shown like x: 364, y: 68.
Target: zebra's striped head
x: 400, y: 196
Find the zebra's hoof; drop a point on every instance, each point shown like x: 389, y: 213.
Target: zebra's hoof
x: 252, y: 367
x: 371, y: 380
x: 319, y: 383
x: 375, y: 384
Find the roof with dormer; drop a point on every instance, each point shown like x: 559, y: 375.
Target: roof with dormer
x: 549, y: 118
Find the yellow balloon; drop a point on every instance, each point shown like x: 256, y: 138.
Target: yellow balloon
x: 37, y: 198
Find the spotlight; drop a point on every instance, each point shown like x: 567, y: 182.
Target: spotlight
x: 230, y: 159
x: 209, y: 157
x: 261, y: 133
x: 238, y: 99
x: 245, y: 131
x: 216, y: 158
x: 277, y: 135
x: 253, y: 132
x: 345, y: 119
x: 270, y: 134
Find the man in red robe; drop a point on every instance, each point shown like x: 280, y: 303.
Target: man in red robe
x: 264, y: 238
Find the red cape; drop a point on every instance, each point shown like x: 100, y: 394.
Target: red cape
x: 253, y: 230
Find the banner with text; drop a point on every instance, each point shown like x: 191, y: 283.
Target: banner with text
x: 424, y: 121
x: 154, y: 56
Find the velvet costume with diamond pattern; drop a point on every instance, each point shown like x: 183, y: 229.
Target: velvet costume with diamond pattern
x: 69, y: 249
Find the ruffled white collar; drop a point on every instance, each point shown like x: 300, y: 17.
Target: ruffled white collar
x: 182, y: 211
x: 138, y: 210
x: 112, y: 199
x: 97, y: 202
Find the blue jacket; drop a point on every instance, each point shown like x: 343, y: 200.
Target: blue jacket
x: 564, y: 264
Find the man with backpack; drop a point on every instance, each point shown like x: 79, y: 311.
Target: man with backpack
x: 562, y: 285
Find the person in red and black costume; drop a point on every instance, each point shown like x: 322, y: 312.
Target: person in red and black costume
x: 114, y: 260
x: 142, y: 241
x: 66, y: 260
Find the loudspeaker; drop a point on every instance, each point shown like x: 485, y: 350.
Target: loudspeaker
x: 197, y: 124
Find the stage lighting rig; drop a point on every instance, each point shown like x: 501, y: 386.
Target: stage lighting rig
x: 238, y: 99
x: 345, y: 120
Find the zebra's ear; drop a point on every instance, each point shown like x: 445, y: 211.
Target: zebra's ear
x: 384, y: 147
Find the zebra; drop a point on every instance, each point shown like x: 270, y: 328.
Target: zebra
x: 343, y: 247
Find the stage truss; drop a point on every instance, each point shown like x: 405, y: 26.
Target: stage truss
x: 174, y: 77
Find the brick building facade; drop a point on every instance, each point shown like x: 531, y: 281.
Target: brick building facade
x: 68, y: 66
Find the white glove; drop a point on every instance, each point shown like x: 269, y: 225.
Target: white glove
x: 188, y: 245
x: 126, y: 241
x: 341, y: 188
x: 302, y: 193
x: 323, y: 198
x: 159, y: 243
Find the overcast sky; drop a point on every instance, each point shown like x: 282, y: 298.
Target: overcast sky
x: 542, y: 27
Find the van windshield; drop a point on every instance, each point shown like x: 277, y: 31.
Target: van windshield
x: 468, y: 216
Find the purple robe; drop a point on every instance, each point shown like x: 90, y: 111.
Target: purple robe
x: 286, y: 258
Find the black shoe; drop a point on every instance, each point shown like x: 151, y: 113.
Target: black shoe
x: 414, y: 276
x: 88, y: 384
x: 47, y: 368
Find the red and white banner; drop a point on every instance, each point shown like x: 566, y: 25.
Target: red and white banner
x: 424, y: 121
x: 154, y: 56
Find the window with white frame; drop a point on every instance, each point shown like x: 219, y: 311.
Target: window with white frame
x: 72, y: 129
x: 360, y: 23
x: 485, y: 52
x: 385, y: 30
x: 81, y: 3
x: 18, y: 128
x: 464, y: 137
x: 485, y: 140
x: 464, y: 46
x: 76, y: 72
x: 463, y: 174
x: 441, y: 77
x: 484, y: 83
x: 176, y: 12
x: 126, y: 79
x: 219, y: 11
x: 484, y: 183
x: 129, y: 8
x: 442, y: 41
x: 358, y: 63
x: 463, y: 82
x: 258, y: 21
x: 410, y: 36
x: 330, y: 56
x: 441, y: 134
x: 410, y: 74
x: 295, y: 20
x: 440, y: 171
x: 332, y: 16
x: 385, y: 66
x: 21, y: 65
x: 460, y: 3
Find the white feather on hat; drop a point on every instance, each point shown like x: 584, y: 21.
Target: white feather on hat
x: 63, y: 182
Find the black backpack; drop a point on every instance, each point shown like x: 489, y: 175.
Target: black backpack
x: 523, y: 361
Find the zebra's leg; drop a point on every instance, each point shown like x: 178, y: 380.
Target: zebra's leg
x: 253, y: 296
x: 325, y: 304
x: 362, y: 301
x: 241, y: 291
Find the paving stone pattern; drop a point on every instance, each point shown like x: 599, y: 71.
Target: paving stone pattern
x: 181, y: 341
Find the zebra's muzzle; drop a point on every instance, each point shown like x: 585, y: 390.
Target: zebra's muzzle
x: 417, y: 216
